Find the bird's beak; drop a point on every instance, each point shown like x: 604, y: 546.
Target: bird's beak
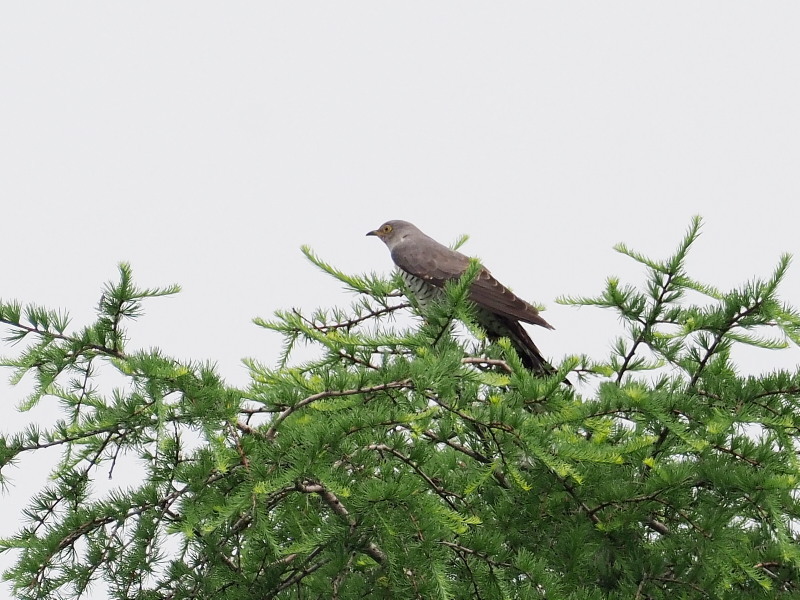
x: 374, y: 232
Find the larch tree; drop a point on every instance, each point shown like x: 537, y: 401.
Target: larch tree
x: 408, y: 460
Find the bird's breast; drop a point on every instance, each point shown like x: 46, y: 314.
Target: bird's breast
x: 424, y: 291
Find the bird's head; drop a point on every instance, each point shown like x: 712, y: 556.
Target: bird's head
x: 392, y: 233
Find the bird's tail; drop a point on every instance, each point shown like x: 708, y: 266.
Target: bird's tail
x: 529, y: 354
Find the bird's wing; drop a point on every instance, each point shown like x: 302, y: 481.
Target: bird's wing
x: 430, y: 261
x: 492, y: 295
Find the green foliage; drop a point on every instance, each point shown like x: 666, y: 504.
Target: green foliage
x: 404, y: 461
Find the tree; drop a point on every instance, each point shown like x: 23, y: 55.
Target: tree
x: 408, y: 461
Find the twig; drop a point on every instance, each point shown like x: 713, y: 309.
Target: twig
x: 329, y: 498
x: 270, y: 435
x: 440, y: 491
x: 494, y: 362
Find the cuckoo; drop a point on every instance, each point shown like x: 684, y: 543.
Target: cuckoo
x: 426, y: 265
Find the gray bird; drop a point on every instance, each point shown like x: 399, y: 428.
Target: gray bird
x: 426, y: 265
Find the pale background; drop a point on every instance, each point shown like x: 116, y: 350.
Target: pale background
x: 205, y: 142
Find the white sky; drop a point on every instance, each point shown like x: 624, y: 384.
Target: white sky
x: 205, y: 142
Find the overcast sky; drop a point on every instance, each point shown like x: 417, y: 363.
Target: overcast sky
x: 205, y: 142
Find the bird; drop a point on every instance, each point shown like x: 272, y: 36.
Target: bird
x: 426, y: 266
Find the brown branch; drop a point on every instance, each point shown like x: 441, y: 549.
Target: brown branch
x: 482, y: 555
x: 298, y: 576
x: 750, y: 461
x: 60, y: 336
x: 339, y: 579
x: 694, y: 586
x: 329, y: 498
x: 271, y: 432
x: 284, y: 560
x: 658, y: 526
x: 246, y: 429
x: 719, y: 336
x: 349, y: 324
x: 238, y: 443
x: 571, y: 491
x: 493, y: 362
x: 440, y: 491
x: 646, y: 326
x: 355, y: 360
x: 458, y: 447
x: 634, y: 500
x: 473, y: 420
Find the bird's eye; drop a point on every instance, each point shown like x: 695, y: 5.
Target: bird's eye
x: 386, y: 228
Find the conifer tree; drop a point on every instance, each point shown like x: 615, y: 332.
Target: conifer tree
x: 411, y: 460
